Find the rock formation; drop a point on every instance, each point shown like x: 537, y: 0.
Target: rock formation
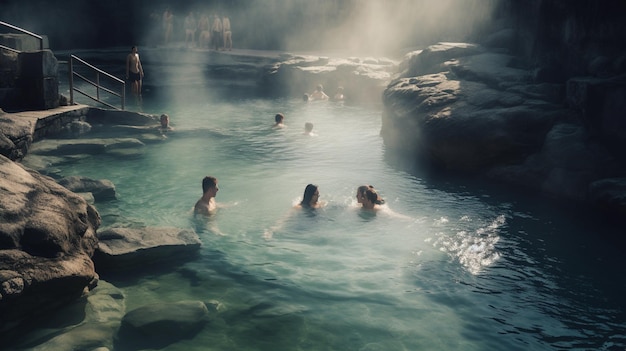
x: 47, y: 238
x: 129, y: 248
x: 467, y: 108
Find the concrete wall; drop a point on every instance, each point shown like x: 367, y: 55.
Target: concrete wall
x: 29, y: 79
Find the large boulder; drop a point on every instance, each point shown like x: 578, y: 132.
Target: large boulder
x: 466, y: 118
x: 158, y: 325
x: 466, y: 108
x: 47, y: 238
x: 128, y: 248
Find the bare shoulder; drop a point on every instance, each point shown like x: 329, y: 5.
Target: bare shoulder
x: 202, y: 207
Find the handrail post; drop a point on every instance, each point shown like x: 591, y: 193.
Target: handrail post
x: 97, y: 85
x: 71, y: 72
x: 124, y: 96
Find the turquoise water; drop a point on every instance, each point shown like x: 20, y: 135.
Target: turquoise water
x: 446, y: 264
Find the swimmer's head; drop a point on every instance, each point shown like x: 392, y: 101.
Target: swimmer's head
x: 209, y: 183
x: 311, y: 194
x: 308, y: 127
x: 279, y: 118
x: 305, y: 97
x: 319, y: 87
x: 165, y: 121
x: 372, y: 196
x: 360, y: 192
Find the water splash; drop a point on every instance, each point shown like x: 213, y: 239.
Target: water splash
x: 475, y: 249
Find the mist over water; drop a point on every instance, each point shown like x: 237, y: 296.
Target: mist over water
x: 370, y: 27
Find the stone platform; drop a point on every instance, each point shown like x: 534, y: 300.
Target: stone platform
x: 19, y: 130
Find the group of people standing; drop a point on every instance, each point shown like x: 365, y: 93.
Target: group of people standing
x: 203, y: 31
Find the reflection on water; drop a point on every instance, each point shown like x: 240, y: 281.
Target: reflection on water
x: 448, y: 265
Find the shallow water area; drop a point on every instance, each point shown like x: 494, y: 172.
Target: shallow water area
x: 445, y: 264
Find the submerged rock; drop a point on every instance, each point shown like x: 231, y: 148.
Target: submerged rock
x: 101, y: 189
x: 158, y: 325
x: 101, y: 310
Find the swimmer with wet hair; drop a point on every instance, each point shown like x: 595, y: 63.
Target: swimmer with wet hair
x: 367, y: 196
x: 206, y: 204
x: 165, y: 122
x: 310, y: 197
x: 279, y: 121
x: 164, y: 125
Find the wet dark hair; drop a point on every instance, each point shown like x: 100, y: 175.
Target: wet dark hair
x: 279, y: 117
x: 163, y: 118
x: 373, y: 196
x: 308, y: 195
x: 208, y: 182
x: 363, y: 188
x: 308, y: 126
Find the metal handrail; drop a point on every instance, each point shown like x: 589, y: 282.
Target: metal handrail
x: 9, y: 49
x: 96, y: 84
x: 25, y: 32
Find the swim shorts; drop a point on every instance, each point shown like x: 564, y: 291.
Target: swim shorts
x: 134, y: 77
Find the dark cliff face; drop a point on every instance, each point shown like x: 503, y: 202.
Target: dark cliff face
x: 580, y: 37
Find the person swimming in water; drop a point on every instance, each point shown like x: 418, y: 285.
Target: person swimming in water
x: 311, y: 196
x: 206, y: 204
x: 308, y: 129
x: 369, y: 199
x: 310, y: 200
x: 367, y: 196
x: 279, y: 120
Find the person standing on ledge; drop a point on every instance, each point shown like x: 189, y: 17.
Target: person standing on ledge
x: 134, y: 71
x: 190, y: 30
x: 216, y: 32
x: 168, y: 26
x: 204, y: 42
x: 206, y: 205
x: 228, y: 35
